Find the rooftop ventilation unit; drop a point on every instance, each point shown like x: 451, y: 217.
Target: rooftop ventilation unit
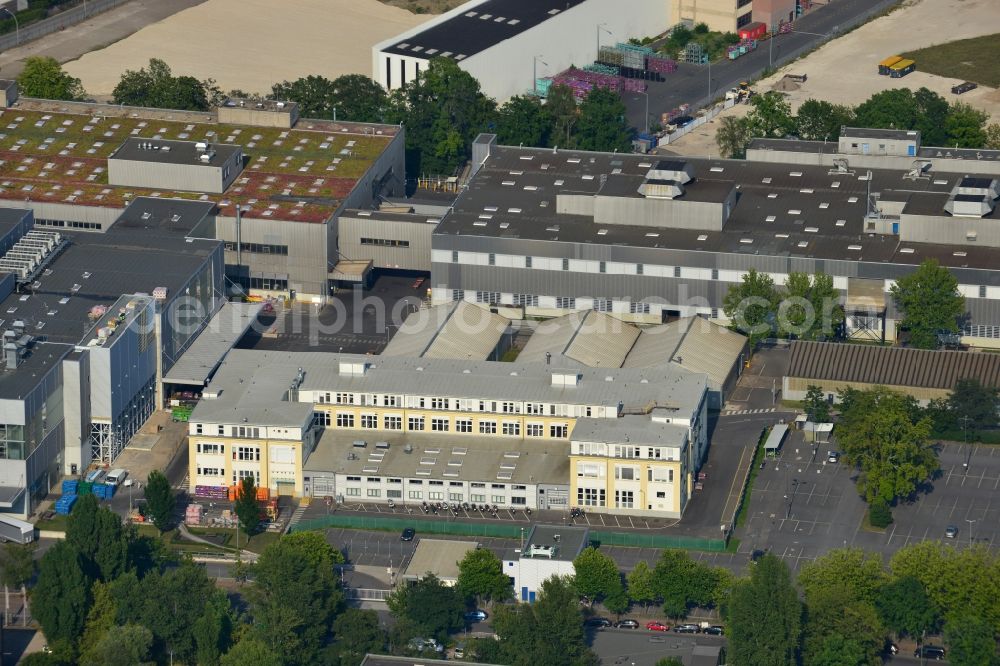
x: 674, y: 170
x: 548, y: 552
x: 661, y: 189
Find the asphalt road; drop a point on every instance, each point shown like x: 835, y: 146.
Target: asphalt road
x: 698, y: 85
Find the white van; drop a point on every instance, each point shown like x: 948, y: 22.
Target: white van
x: 116, y: 476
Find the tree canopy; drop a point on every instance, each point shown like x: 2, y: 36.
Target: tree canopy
x: 930, y: 303
x: 602, y: 125
x: 157, y: 87
x: 816, y: 405
x: 811, y: 309
x: 751, y: 305
x: 885, y: 434
x: 431, y: 607
x: 246, y: 508
x: 160, y: 500
x: 596, y: 575
x: 43, y: 77
x: 765, y: 617
x: 481, y: 576
x: 905, y: 608
x: 61, y: 597
x: 351, y: 97
x: 524, y: 121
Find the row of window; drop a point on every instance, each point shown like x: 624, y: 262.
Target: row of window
x: 69, y: 224
x: 385, y: 242
x: 435, y: 482
x: 257, y: 248
x: 269, y: 284
x: 450, y: 404
x: 434, y: 495
x: 239, y: 452
x: 565, y: 265
x: 562, y: 302
x: 244, y: 432
x: 625, y: 473
x: 419, y: 423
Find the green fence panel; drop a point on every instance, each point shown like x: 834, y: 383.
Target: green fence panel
x: 504, y: 531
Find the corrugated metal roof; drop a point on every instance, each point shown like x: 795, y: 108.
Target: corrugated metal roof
x: 438, y: 556
x: 656, y: 345
x: 458, y: 330
x: 224, y: 330
x: 891, y: 366
x: 551, y: 336
x: 593, y: 338
x: 471, y: 332
x: 709, y: 348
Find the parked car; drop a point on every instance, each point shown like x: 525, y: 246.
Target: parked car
x: 476, y: 616
x: 833, y: 456
x: 657, y: 626
x: 950, y: 532
x: 626, y: 624
x: 598, y: 622
x: 756, y: 555
x: 686, y: 628
x: 714, y: 630
x: 408, y: 534
x: 935, y: 652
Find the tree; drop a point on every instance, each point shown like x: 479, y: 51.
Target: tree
x: 98, y: 535
x: 885, y: 434
x: 905, y: 608
x: 559, y: 638
x: 616, y: 600
x: 160, y: 500
x: 481, y: 576
x: 602, y: 125
x: 100, y: 619
x: 682, y: 583
x: 771, y: 116
x: 433, y: 608
x: 816, y: 404
x: 992, y: 136
x: 893, y: 108
x: 17, y: 564
x: 812, y: 310
x: 61, y: 597
x: 931, y: 117
x: 246, y: 508
x: 751, y: 304
x: 972, y: 641
x: 213, y: 630
x: 973, y: 405
x: 966, y: 126
x: 640, y: 585
x: 879, y: 513
x: 171, y: 604
x: 251, y: 650
x: 524, y: 121
x: 562, y: 105
x: 294, y: 599
x: 317, y: 551
x: 854, y: 570
x: 765, y: 617
x: 357, y: 632
x: 733, y: 137
x: 353, y: 97
x: 596, y: 574
x: 930, y: 303
x: 43, y: 77
x: 817, y: 120
x: 314, y: 95
x: 127, y: 645
x: 443, y: 111
x: 158, y: 88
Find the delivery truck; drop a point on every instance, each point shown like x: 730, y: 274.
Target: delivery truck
x: 16, y: 530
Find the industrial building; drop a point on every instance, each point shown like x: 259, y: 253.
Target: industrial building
x: 412, y: 430
x: 92, y: 321
x: 273, y: 183
x: 505, y: 44
x: 925, y: 374
x: 452, y: 330
x: 390, y: 239
x: 548, y: 550
x: 551, y: 231
x: 596, y: 339
x: 439, y: 557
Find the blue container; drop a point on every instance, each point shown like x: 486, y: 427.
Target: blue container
x: 65, y: 504
x: 69, y: 486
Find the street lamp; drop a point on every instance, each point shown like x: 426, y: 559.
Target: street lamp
x: 17, y: 26
x: 534, y: 69
x: 600, y: 27
x: 646, y: 117
x: 971, y: 522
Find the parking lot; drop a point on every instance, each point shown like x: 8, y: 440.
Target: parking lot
x: 802, y: 506
x: 355, y: 321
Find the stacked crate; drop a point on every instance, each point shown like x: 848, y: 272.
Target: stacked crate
x: 661, y: 65
x: 65, y: 504
x: 70, y: 486
x: 192, y: 515
x: 104, y: 491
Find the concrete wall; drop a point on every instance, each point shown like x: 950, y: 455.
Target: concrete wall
x: 183, y: 177
x: 44, y: 210
x: 662, y: 213
x: 941, y: 164
x: 950, y: 230
x: 417, y: 232
x: 251, y: 115
x: 718, y: 14
x: 795, y: 388
x: 76, y: 395
x: 854, y: 145
x: 773, y: 12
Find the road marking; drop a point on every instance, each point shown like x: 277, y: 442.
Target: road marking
x: 741, y: 412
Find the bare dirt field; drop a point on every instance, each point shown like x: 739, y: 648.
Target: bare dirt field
x: 251, y: 44
x: 845, y: 70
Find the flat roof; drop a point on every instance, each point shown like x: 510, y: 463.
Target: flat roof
x: 786, y: 210
x: 57, y: 151
x: 442, y: 457
x: 832, y: 148
x: 11, y: 218
x: 391, y: 216
x: 185, y: 153
x: 439, y: 557
x: 165, y: 216
x: 41, y: 357
x: 479, y: 27
x: 875, y: 133
x: 96, y: 269
x: 567, y: 541
x: 270, y: 105
x: 638, y: 430
x: 776, y: 436
x: 204, y: 355
x: 891, y: 366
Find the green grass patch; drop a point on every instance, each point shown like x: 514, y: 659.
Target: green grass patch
x: 510, y: 355
x: 985, y: 437
x: 733, y: 546
x: 56, y: 523
x: 967, y: 59
x: 758, y: 457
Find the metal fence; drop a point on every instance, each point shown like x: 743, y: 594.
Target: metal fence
x: 508, y: 531
x: 56, y: 23
x: 366, y: 594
